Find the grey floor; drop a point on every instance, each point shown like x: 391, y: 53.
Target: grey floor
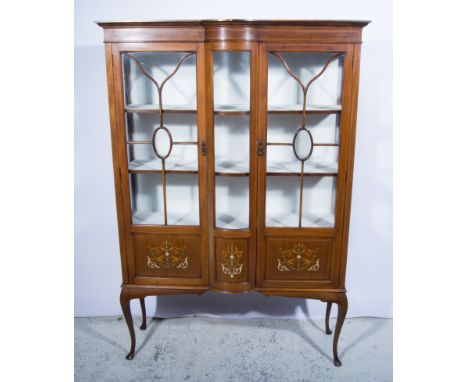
x: 218, y: 350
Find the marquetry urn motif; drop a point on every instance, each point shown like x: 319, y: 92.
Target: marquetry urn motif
x: 299, y: 258
x: 167, y: 256
x: 232, y: 261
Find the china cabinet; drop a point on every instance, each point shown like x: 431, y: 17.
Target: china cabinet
x: 233, y: 146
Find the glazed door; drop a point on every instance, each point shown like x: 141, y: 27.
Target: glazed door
x: 304, y: 114
x: 161, y: 132
x: 232, y: 105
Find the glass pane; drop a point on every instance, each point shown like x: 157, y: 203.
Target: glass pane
x: 148, y: 203
x: 182, y: 158
x: 285, y: 92
x: 231, y: 71
x: 324, y: 130
x: 232, y: 145
x: 282, y: 201
x: 178, y: 92
x: 182, y: 199
x: 323, y: 159
x: 232, y: 202
x: 324, y: 127
x: 319, y: 201
x: 140, y: 126
x: 183, y: 128
x: 147, y: 198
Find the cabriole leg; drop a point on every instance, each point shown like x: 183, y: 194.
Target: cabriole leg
x: 342, y: 310
x: 143, y: 313
x: 125, y: 303
x: 327, y: 318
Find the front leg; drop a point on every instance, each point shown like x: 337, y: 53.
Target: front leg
x: 125, y: 303
x: 342, y: 310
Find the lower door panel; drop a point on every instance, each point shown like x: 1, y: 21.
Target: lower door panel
x: 299, y: 262
x: 232, y: 260
x: 298, y: 258
x: 168, y: 259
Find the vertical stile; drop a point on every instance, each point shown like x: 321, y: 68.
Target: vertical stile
x: 164, y: 189
x: 301, y: 192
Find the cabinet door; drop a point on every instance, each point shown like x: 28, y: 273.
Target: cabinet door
x: 303, y: 129
x: 232, y: 101
x: 160, y: 115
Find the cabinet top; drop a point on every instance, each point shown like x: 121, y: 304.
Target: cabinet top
x: 149, y: 23
x: 200, y: 31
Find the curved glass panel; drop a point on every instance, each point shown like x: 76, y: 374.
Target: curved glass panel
x: 231, y: 72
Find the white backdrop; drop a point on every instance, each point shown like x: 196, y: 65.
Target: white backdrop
x: 97, y: 264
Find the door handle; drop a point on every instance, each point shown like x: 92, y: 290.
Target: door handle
x: 204, y: 150
x: 260, y: 148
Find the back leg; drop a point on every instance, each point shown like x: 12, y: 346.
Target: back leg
x: 143, y: 313
x: 327, y: 318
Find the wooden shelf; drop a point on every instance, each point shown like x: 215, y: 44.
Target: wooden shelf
x: 225, y: 167
x: 228, y: 221
x: 221, y: 173
x: 140, y: 217
x: 184, y: 166
x: 153, y: 166
x: 175, y: 143
x: 325, y: 220
x: 227, y: 110
x: 310, y: 109
x: 293, y: 168
x: 299, y: 174
x: 160, y: 172
x: 278, y: 109
x: 228, y: 168
x: 290, y: 144
x: 150, y: 109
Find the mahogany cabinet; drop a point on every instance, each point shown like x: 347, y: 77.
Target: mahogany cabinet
x: 233, y: 146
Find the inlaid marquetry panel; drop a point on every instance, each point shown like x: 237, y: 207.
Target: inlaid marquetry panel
x: 167, y: 255
x: 231, y: 259
x: 298, y: 258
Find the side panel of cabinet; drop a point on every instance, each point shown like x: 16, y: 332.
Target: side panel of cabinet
x: 160, y: 245
x: 116, y: 162
x: 303, y: 188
